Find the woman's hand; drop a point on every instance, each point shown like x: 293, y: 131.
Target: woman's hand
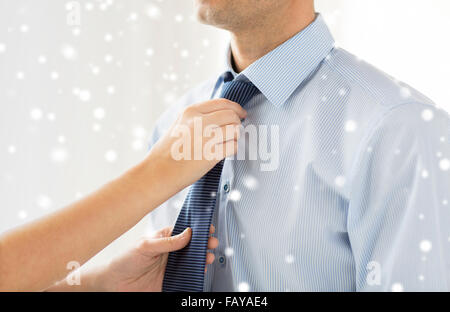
x: 202, y: 135
x: 142, y: 268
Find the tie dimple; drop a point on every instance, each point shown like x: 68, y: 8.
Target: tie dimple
x: 185, y: 267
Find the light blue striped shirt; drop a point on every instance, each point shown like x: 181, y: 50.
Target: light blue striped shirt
x: 360, y: 197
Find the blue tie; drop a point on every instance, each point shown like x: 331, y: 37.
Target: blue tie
x: 185, y: 268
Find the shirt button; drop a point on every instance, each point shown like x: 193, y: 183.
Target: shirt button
x: 222, y: 260
x: 226, y: 187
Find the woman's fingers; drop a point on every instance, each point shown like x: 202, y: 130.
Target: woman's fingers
x: 223, y: 133
x: 213, y: 243
x: 209, y: 259
x: 222, y: 118
x: 220, y: 104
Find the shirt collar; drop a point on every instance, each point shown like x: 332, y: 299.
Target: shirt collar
x: 278, y: 73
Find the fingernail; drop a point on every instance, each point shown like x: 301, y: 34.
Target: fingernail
x: 185, y: 232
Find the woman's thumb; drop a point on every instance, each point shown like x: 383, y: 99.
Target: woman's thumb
x: 173, y: 243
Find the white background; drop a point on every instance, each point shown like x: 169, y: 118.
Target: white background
x: 79, y: 102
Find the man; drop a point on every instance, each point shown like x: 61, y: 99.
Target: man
x: 359, y: 200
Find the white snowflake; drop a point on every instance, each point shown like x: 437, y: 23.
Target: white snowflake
x: 139, y: 132
x: 89, y: 6
x: 425, y: 174
x: 24, y: 28
x: 229, y: 251
x: 36, y: 114
x: 133, y: 17
x: 12, y: 149
x: 289, y: 259
x: 178, y: 204
x: 243, y: 287
x: 153, y: 11
x: 51, y: 116
x: 58, y: 155
x: 425, y: 246
x: 96, y: 127
x: 22, y: 214
x: 111, y: 90
x: 68, y: 52
x: 342, y: 92
x: 94, y: 69
x: 179, y: 18
x: 111, y: 156
x: 405, y: 92
x: 84, y: 95
x: 206, y: 42
x: 108, y: 58
x: 184, y: 53
x: 99, y: 113
x: 251, y: 182
x: 108, y: 37
x: 20, y: 75
x: 137, y: 145
x: 76, y: 31
x: 173, y: 77
x: 340, y: 181
x: 235, y: 195
x: 350, y: 126
x: 397, y: 287
x: 42, y: 59
x: 444, y: 164
x: 43, y: 201
x: 54, y: 75
x: 427, y: 114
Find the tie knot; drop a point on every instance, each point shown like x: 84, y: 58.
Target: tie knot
x: 239, y: 91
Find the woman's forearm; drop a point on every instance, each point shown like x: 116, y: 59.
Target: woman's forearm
x: 36, y: 255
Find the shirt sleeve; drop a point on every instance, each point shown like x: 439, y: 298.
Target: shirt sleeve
x: 399, y: 210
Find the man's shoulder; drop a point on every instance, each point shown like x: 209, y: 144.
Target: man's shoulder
x: 381, y: 104
x: 377, y: 86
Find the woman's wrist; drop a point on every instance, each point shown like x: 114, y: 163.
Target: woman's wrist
x: 164, y: 173
x: 91, y: 281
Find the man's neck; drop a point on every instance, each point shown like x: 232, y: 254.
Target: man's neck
x: 248, y: 45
